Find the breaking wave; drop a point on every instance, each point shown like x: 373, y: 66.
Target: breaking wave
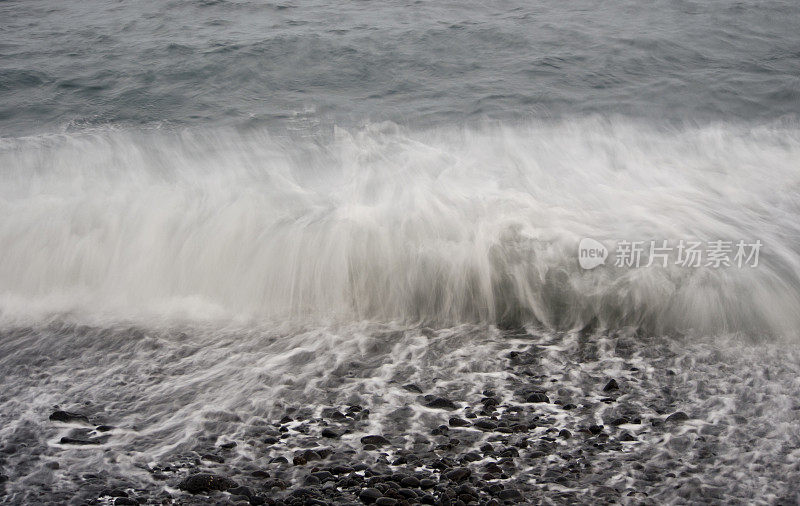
x: 439, y: 226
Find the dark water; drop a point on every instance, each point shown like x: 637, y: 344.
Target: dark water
x: 300, y: 64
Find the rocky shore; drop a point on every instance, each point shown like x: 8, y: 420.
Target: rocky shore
x: 558, y: 419
x: 557, y: 429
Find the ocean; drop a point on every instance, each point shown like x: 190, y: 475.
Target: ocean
x: 217, y: 215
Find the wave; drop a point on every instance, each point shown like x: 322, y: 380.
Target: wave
x: 439, y: 226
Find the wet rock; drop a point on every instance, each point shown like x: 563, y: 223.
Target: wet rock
x: 458, y: 474
x: 458, y: 422
x: 125, y: 501
x: 213, y: 458
x: 370, y: 495
x: 489, y: 402
x: 333, y: 414
x: 206, y: 482
x: 564, y: 433
x: 81, y: 441
x: 66, y: 417
x: 241, y: 491
x: 228, y: 445
x: 595, y: 429
x: 374, y: 440
x: 441, y: 403
x: 410, y: 481
x: 271, y: 440
x: 323, y: 476
x: 329, y: 433
x: 413, y: 388
x: 611, y: 386
x: 626, y: 436
x: 509, y: 494
x: 537, y: 397
x: 427, y: 483
x: 386, y: 501
x: 472, y: 457
x: 485, y: 424
x: 117, y: 492
x: 677, y: 417
x: 104, y: 428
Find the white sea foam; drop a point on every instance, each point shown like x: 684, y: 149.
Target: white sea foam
x: 442, y: 226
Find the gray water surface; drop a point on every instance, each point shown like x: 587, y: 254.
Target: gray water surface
x: 71, y: 64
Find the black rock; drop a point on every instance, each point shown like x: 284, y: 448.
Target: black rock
x: 206, y: 482
x: 471, y: 457
x: 330, y: 433
x: 386, y: 501
x: 564, y: 433
x: 626, y: 436
x: 80, y: 441
x: 595, y: 429
x: 370, y: 495
x: 213, y: 458
x: 488, y: 402
x: 485, y: 424
x: 117, y: 492
x: 66, y: 416
x: 458, y: 474
x: 374, y: 440
x: 509, y: 494
x: 228, y: 445
x: 441, y: 403
x: 410, y: 482
x: 678, y: 416
x: 333, y: 414
x: 104, y: 428
x: 427, y: 483
x: 611, y: 385
x: 271, y: 440
x: 243, y: 491
x: 413, y: 388
x: 537, y: 397
x: 458, y: 422
x: 323, y: 476
x: 125, y: 501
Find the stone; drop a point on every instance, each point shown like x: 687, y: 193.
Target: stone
x: 66, y: 416
x: 678, y: 416
x: 413, y: 388
x: 441, y: 403
x: 458, y: 474
x: 611, y: 386
x: 206, y: 482
x: 374, y: 440
x: 538, y: 397
x: 329, y: 433
x: 370, y: 495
